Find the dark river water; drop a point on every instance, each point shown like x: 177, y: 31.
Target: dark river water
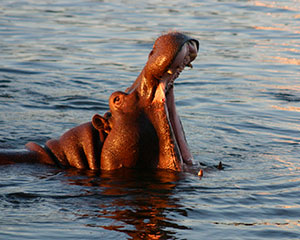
x: 61, y: 59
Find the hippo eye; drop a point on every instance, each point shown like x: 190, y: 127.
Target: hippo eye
x: 116, y: 99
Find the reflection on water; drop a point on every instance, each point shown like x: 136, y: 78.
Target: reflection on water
x: 134, y: 203
x: 60, y: 61
x: 140, y: 201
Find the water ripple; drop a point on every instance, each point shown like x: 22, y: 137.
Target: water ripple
x: 18, y: 71
x: 61, y: 60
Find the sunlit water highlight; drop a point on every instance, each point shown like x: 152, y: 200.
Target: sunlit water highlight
x: 59, y: 62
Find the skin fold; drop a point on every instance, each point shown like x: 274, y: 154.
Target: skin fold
x: 142, y: 128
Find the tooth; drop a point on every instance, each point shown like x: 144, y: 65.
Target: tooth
x: 170, y: 72
x: 190, y: 65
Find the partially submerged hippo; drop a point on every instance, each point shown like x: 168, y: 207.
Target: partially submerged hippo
x: 142, y: 128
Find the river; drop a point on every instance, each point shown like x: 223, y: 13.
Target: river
x: 61, y: 59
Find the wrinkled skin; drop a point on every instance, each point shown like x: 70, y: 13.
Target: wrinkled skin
x: 132, y: 141
x: 142, y: 128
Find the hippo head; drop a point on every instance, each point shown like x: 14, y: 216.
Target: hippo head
x: 144, y: 130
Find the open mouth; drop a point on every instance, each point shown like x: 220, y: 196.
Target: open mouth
x: 165, y: 95
x: 184, y: 58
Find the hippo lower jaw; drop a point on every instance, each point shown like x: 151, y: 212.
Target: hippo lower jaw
x: 174, y: 149
x: 165, y: 123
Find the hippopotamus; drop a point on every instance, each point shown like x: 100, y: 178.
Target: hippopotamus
x: 141, y: 129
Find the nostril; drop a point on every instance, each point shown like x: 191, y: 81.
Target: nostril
x: 193, y: 49
x: 195, y: 44
x: 193, y: 55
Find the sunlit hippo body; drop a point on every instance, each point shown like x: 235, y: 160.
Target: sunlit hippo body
x: 142, y: 128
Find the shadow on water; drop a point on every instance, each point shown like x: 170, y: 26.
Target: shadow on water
x: 134, y: 202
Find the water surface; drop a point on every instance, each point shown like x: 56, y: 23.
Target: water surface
x: 60, y: 61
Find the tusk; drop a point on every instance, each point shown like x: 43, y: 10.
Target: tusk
x: 170, y: 72
x: 190, y: 65
x: 160, y: 95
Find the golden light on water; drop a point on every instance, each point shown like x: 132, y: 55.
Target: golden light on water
x: 285, y: 60
x: 291, y: 109
x: 277, y: 5
x: 278, y: 28
x: 286, y: 51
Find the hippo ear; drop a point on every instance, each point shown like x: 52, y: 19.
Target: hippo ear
x: 101, y: 123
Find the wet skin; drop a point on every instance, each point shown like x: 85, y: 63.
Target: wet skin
x: 142, y: 128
